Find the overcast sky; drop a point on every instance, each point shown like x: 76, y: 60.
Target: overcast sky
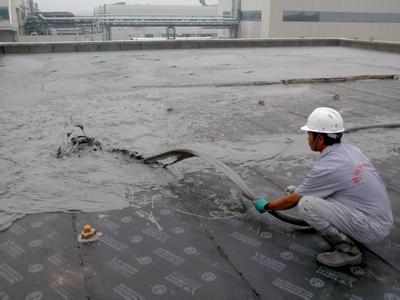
x: 77, y: 6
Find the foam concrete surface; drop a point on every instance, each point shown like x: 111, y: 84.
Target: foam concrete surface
x: 181, y: 232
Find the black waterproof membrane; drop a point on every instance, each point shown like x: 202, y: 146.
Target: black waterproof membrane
x: 160, y: 252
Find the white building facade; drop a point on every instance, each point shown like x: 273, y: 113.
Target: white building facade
x: 363, y: 19
x: 12, y: 15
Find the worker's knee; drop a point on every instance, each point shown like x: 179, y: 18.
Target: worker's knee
x: 305, y: 206
x: 313, y: 210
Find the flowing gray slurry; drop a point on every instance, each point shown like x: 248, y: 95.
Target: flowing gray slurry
x: 45, y: 96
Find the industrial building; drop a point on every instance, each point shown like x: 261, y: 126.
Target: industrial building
x: 362, y: 19
x: 12, y: 18
x: 162, y: 13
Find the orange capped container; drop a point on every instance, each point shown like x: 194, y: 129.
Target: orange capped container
x: 87, y: 229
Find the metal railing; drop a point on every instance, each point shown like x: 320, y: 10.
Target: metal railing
x: 147, y: 20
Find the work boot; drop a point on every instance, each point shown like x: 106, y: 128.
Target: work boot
x: 346, y: 252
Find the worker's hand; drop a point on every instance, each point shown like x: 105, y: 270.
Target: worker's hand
x: 290, y: 190
x: 260, y: 205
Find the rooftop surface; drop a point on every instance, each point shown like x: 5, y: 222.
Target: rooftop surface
x: 181, y: 232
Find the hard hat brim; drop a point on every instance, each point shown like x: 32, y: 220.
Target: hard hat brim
x: 306, y: 128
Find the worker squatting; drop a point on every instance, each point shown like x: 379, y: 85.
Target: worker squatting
x: 342, y: 197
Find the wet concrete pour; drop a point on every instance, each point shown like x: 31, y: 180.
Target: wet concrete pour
x: 190, y: 238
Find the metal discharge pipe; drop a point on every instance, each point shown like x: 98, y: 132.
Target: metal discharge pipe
x: 387, y: 125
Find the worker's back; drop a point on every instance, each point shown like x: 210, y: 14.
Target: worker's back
x: 344, y: 174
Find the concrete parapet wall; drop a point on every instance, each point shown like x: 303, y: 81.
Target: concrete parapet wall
x: 8, y: 48
x: 379, y: 46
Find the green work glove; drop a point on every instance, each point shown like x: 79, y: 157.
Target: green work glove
x: 260, y: 204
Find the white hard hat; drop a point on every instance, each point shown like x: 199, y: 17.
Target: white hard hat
x: 324, y: 120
